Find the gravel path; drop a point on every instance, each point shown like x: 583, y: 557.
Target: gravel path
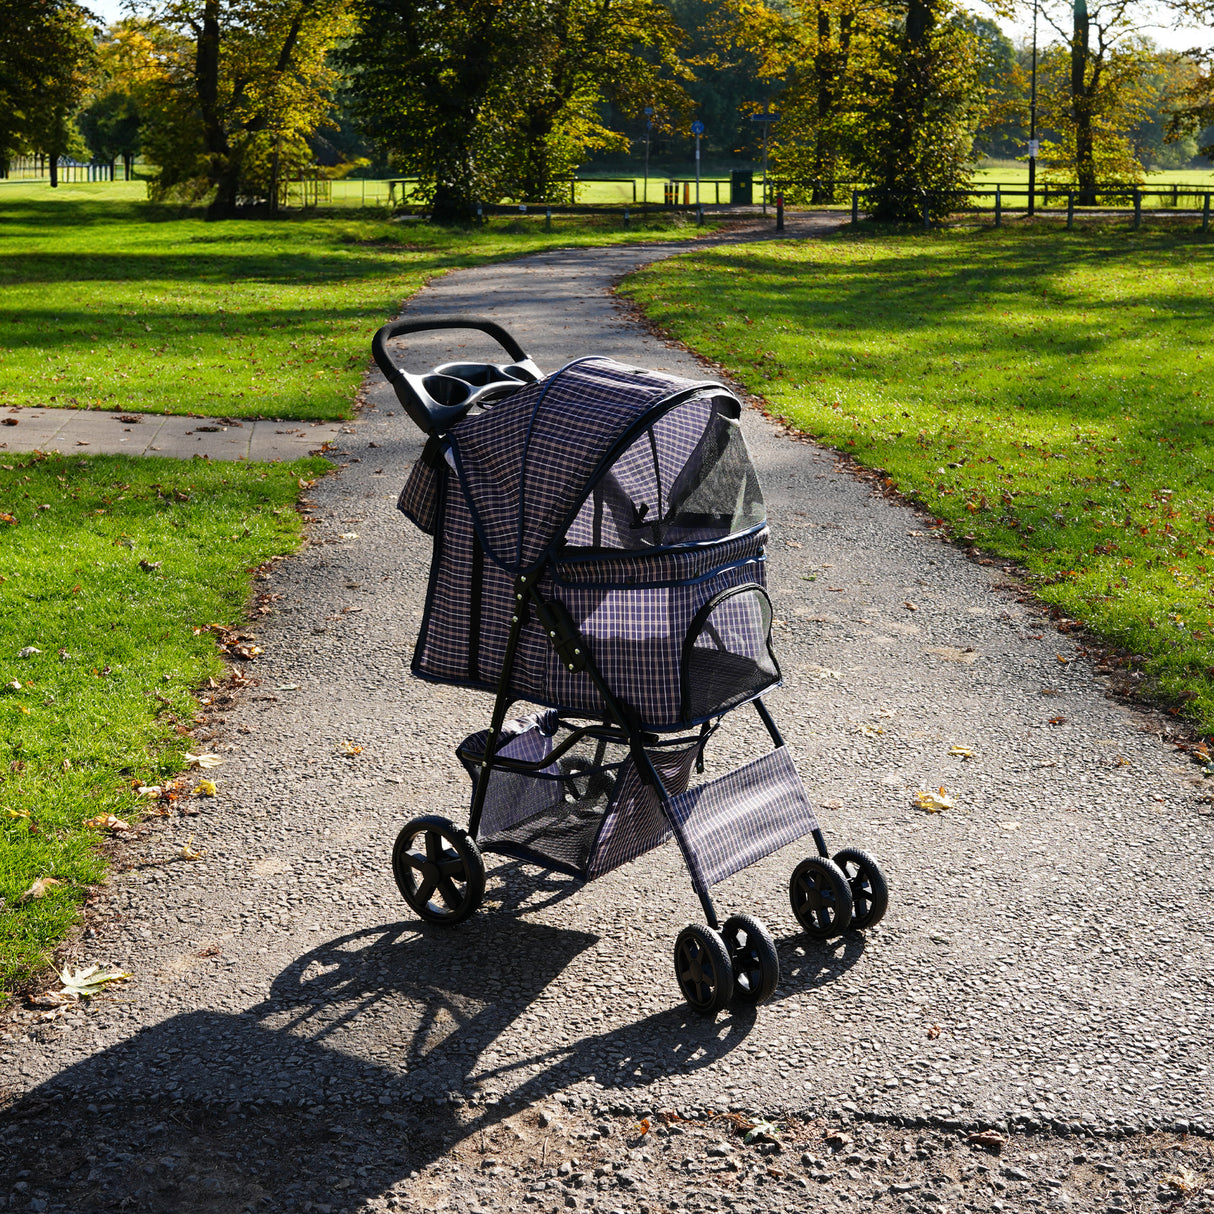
x: 292, y: 1039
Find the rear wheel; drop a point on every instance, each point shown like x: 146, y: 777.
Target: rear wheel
x: 820, y: 898
x: 752, y: 953
x: 438, y: 869
x: 702, y: 968
x: 869, y: 891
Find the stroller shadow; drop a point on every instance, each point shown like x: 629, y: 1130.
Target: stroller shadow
x: 317, y: 1094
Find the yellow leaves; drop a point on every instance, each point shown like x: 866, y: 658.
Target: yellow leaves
x: 962, y: 752
x: 204, y: 788
x: 1183, y: 1180
x: 189, y: 852
x: 349, y: 749
x: 110, y: 822
x: 17, y: 813
x: 869, y: 731
x: 85, y: 983
x: 640, y: 1129
x: 933, y: 802
x: 39, y: 888
x: 206, y: 759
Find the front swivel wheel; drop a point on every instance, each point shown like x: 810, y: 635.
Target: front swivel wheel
x: 752, y: 953
x: 703, y: 969
x: 438, y: 869
x: 869, y: 889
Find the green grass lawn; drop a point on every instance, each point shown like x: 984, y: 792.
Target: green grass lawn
x: 1047, y: 394
x: 110, y: 571
x: 109, y: 302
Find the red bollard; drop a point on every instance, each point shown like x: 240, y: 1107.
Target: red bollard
x: 779, y: 212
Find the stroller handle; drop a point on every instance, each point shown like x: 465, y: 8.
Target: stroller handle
x: 439, y: 399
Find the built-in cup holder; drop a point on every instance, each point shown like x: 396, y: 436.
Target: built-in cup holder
x: 446, y: 389
x: 476, y: 374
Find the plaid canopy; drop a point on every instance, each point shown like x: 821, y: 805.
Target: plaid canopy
x: 527, y: 464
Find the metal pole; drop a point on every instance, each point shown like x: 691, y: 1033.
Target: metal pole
x: 1137, y: 207
x: 855, y: 206
x: 697, y: 172
x: 766, y: 129
x: 1070, y: 209
x: 648, y: 129
x: 1205, y: 214
x: 1033, y: 123
x: 998, y: 208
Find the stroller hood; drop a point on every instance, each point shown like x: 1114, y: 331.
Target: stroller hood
x: 528, y: 464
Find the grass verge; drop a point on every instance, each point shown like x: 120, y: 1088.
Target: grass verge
x: 1044, y: 394
x: 109, y: 302
x: 109, y: 568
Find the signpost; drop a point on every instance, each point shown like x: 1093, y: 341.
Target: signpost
x: 648, y: 129
x: 766, y: 118
x: 697, y: 129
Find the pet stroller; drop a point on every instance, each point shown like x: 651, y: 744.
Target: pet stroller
x: 598, y: 553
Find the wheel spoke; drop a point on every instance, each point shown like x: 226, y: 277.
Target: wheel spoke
x: 451, y: 896
x: 452, y: 865
x: 425, y: 891
x: 434, y: 846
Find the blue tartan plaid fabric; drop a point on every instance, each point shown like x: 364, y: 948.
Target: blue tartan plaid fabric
x: 635, y: 821
x: 526, y: 463
x: 634, y: 596
x: 513, y: 796
x: 729, y: 823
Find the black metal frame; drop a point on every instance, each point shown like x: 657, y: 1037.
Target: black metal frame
x: 626, y: 731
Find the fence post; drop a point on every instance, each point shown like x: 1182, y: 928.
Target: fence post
x: 548, y: 219
x: 1045, y: 195
x: 1205, y: 213
x: 1070, y: 209
x: 627, y: 216
x: 998, y: 207
x: 780, y: 212
x: 855, y: 206
x: 1137, y: 207
x: 699, y: 214
x: 1175, y: 195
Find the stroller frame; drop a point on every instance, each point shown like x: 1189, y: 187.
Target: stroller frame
x: 442, y: 878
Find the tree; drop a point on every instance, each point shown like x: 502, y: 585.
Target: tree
x: 46, y: 54
x: 111, y: 121
x: 243, y: 85
x: 1194, y: 114
x: 500, y: 99
x: 1005, y: 87
x: 918, y: 103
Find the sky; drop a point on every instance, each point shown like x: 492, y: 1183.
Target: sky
x: 111, y: 10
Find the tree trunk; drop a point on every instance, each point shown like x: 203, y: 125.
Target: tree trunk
x: 220, y: 168
x: 830, y: 67
x: 1082, y: 99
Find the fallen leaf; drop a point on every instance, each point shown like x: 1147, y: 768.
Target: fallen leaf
x: 989, y: 1140
x: 90, y: 981
x: 29, y: 651
x: 910, y: 606
x: 1009, y: 825
x: 205, y: 788
x: 13, y: 686
x: 17, y: 813
x: 963, y: 752
x: 39, y: 888
x: 1064, y: 661
x: 349, y: 535
x: 107, y: 822
x: 953, y: 653
x: 933, y: 802
x: 766, y: 1131
x: 52, y: 999
x: 191, y: 853
x: 148, y: 790
x: 150, y: 566
x: 287, y: 687
x: 8, y: 518
x: 887, y: 714
x: 934, y: 1031
x: 641, y: 1128
x: 348, y: 748
x: 870, y: 731
x: 1181, y: 1181
x: 1057, y: 720
x: 206, y: 759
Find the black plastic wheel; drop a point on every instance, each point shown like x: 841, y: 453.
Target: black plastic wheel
x: 820, y: 897
x: 752, y: 953
x: 703, y: 969
x: 438, y: 869
x: 869, y: 890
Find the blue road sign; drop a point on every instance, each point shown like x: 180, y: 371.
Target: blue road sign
x: 697, y: 127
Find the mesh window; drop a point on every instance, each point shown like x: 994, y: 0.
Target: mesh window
x: 727, y: 656
x: 686, y: 479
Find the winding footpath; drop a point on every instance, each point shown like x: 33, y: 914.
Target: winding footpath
x: 292, y: 1039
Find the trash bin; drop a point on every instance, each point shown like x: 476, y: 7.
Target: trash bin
x: 741, y: 187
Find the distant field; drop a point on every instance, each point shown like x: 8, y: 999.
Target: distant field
x: 1046, y: 394
x: 109, y: 302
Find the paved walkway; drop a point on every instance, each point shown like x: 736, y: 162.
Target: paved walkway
x: 98, y: 432
x: 1046, y: 962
